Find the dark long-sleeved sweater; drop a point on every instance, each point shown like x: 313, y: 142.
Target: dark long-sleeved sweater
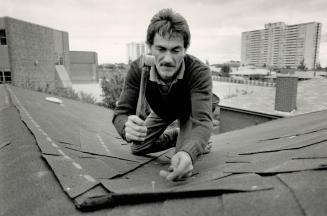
x: 189, y: 98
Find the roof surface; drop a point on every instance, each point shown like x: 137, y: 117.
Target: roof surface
x: 276, y: 168
x: 311, y: 97
x: 272, y: 74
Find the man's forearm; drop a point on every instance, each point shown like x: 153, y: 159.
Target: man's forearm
x: 201, y: 117
x: 195, y: 138
x: 119, y: 123
x: 127, y: 100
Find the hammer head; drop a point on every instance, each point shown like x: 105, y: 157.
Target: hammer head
x: 148, y: 60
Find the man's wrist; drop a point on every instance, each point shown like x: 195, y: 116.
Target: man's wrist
x: 187, y: 155
x: 123, y: 135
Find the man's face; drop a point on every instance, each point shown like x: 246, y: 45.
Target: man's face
x: 169, y: 53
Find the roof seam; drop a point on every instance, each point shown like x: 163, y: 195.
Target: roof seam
x: 293, y: 194
x: 290, y: 135
x: 283, y: 149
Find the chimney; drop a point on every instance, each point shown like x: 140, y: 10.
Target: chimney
x: 286, y: 93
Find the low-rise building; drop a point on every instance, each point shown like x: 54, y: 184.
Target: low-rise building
x: 83, y: 66
x: 36, y: 56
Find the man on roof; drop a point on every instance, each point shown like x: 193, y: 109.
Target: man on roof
x: 178, y: 88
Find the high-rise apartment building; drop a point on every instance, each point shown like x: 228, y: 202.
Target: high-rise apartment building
x: 135, y: 50
x: 283, y: 46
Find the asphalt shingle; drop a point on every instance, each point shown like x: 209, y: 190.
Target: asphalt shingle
x: 310, y: 189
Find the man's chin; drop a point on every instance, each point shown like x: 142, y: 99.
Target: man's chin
x: 166, y: 75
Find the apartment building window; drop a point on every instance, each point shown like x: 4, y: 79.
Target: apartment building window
x: 5, y: 77
x: 3, y: 38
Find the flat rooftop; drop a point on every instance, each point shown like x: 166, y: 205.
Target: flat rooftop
x: 311, y: 96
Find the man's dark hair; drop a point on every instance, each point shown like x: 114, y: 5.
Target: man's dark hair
x: 168, y: 23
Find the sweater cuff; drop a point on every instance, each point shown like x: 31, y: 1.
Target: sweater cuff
x: 193, y: 151
x: 119, y: 123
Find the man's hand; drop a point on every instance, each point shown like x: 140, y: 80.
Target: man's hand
x: 181, y: 167
x: 208, y: 147
x: 135, y: 129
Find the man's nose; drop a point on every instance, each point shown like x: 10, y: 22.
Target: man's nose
x: 168, y: 58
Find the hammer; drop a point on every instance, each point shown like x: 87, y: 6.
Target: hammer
x: 147, y: 62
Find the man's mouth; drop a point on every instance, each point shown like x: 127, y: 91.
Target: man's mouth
x: 167, y: 67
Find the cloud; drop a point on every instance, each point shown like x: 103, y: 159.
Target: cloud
x: 105, y: 26
x: 323, y: 38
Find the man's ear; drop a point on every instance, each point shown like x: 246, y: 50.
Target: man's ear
x: 149, y: 47
x: 184, y: 54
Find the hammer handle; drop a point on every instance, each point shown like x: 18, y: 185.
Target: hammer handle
x: 141, y: 103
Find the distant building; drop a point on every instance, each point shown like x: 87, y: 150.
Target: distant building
x: 283, y: 46
x: 232, y: 63
x: 135, y: 50
x: 83, y: 66
x: 36, y: 56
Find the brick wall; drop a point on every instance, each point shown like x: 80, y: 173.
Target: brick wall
x: 4, y: 56
x: 32, y: 53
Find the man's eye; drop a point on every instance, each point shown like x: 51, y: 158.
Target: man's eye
x: 175, y: 50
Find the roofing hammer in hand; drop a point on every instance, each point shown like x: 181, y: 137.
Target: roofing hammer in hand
x: 147, y: 61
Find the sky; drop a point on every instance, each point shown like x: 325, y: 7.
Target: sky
x: 106, y: 26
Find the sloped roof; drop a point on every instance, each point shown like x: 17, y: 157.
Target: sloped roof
x: 276, y: 168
